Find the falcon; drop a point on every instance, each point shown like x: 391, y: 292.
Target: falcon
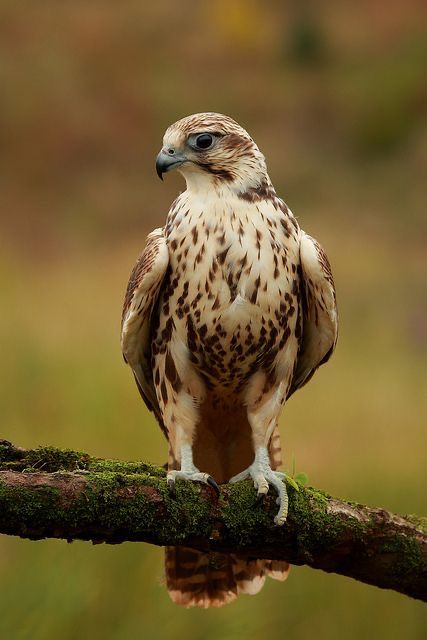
x: 229, y: 309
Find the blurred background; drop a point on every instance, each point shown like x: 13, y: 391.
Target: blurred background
x: 336, y: 97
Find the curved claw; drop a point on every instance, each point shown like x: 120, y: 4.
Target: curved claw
x: 260, y: 499
x: 192, y: 476
x: 212, y: 483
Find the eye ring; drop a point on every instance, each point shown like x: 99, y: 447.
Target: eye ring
x: 204, y: 141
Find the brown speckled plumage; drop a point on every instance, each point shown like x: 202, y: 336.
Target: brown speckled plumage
x: 229, y: 310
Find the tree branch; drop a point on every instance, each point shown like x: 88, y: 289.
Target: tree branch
x: 49, y: 493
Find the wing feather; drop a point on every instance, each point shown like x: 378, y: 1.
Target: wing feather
x: 320, y: 316
x: 140, y: 300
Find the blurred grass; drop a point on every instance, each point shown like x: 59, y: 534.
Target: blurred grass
x: 337, y: 101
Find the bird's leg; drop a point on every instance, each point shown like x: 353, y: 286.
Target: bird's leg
x: 262, y: 417
x: 188, y: 470
x: 181, y: 417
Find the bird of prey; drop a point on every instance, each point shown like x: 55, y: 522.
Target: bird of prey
x: 229, y: 309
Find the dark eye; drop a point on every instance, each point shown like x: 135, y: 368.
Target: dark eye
x: 204, y: 141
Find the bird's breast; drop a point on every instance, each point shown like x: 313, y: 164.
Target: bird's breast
x: 232, y: 288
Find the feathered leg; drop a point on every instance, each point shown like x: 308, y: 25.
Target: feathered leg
x: 188, y: 470
x: 263, y: 412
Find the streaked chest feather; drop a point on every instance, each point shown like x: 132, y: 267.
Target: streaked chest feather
x: 232, y: 291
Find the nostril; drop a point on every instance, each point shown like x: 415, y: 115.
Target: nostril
x: 171, y: 152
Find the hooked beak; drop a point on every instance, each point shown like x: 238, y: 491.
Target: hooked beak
x: 167, y: 160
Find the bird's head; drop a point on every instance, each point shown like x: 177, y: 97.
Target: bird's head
x: 212, y: 150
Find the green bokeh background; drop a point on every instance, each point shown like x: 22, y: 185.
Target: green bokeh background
x: 335, y: 96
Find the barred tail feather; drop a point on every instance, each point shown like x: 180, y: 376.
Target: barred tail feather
x: 249, y: 575
x: 277, y: 569
x: 197, y: 579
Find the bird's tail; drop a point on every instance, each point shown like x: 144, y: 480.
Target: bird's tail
x: 197, y: 579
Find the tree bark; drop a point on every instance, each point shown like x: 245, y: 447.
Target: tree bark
x: 50, y: 493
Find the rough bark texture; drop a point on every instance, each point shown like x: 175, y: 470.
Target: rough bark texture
x: 50, y: 493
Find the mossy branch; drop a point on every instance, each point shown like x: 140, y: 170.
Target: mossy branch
x: 49, y: 493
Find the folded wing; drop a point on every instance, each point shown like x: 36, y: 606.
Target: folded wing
x: 320, y: 317
x: 140, y: 300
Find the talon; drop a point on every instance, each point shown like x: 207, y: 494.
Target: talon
x: 212, y: 483
x: 264, y: 478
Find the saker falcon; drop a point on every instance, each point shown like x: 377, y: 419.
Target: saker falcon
x: 229, y: 309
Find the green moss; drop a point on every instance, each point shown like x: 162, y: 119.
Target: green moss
x: 51, y: 459
x: 408, y: 555
x: 106, y: 500
x: 317, y: 527
x: 8, y: 453
x: 47, y: 459
x: 101, y: 504
x: 21, y: 507
x: 101, y: 508
x: 419, y: 521
x: 117, y: 466
x: 243, y: 517
x: 4, y: 452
